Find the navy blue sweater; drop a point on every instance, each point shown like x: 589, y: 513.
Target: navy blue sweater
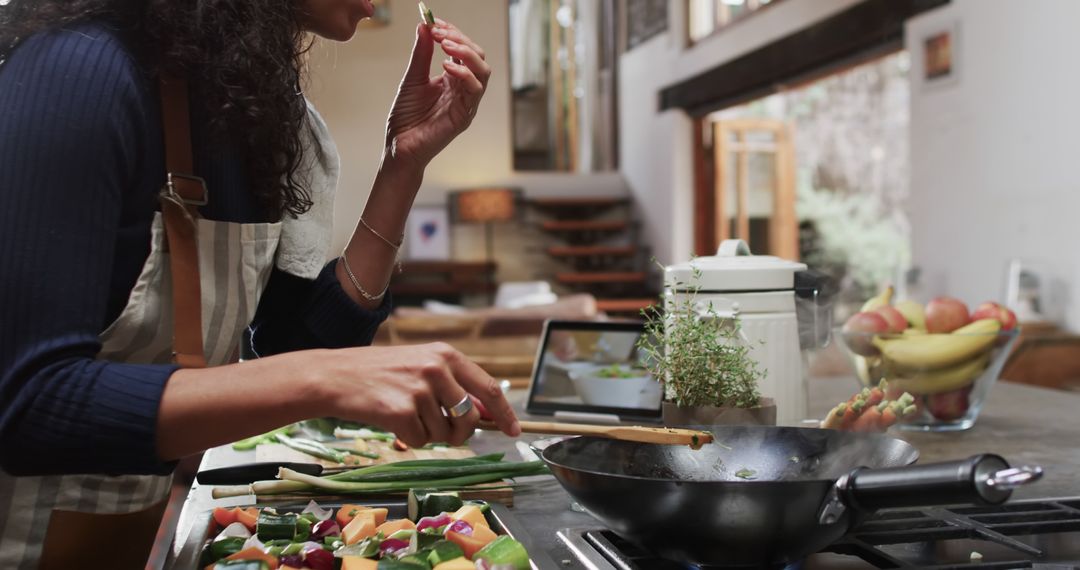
x: 81, y: 163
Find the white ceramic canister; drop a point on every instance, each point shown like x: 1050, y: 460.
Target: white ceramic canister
x: 760, y: 291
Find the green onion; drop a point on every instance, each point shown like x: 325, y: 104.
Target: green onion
x: 313, y: 448
x: 362, y: 433
x: 268, y: 437
x: 443, y: 474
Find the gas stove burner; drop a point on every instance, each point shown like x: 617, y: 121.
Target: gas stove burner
x: 1040, y: 534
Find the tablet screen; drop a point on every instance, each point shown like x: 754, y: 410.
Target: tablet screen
x: 593, y: 367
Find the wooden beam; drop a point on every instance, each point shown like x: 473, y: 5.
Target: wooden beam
x: 865, y: 30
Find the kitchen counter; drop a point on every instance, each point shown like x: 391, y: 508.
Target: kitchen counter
x: 1022, y: 423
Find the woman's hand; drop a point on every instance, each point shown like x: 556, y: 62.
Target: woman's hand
x: 405, y: 389
x: 429, y: 112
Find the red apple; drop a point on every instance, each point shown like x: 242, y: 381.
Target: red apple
x: 859, y: 330
x: 896, y: 320
x: 945, y: 314
x: 949, y: 406
x: 991, y: 310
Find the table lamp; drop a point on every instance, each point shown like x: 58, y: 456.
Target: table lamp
x: 485, y: 206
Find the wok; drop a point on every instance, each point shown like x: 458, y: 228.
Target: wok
x: 761, y: 495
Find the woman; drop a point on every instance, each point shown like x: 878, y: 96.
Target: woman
x: 93, y: 412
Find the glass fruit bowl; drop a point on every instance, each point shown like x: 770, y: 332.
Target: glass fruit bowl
x: 949, y: 375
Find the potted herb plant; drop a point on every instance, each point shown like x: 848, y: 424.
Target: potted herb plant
x: 705, y: 364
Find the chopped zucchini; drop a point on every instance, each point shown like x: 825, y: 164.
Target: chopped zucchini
x: 271, y: 526
x: 432, y: 502
x: 444, y: 551
x: 504, y: 551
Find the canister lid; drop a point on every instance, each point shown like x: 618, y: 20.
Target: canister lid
x: 734, y: 268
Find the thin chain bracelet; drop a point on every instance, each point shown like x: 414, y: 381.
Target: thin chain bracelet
x: 359, y: 289
x: 395, y: 246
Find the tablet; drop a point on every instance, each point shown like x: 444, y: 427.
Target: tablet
x: 590, y: 370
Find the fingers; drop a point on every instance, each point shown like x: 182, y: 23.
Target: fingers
x: 487, y: 390
x: 468, y: 57
x: 448, y: 393
x: 445, y: 30
x: 463, y: 74
x: 420, y: 63
x: 431, y: 415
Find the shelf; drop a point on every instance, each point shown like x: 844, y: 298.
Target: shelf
x: 595, y: 277
x: 592, y: 251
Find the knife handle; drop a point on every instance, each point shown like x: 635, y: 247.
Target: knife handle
x: 251, y: 472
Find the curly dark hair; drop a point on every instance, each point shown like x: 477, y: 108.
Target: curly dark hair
x: 243, y: 60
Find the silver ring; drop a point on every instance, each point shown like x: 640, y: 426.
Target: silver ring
x: 461, y: 408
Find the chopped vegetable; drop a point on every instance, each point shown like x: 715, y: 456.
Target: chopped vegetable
x: 425, y: 15
x: 444, y: 551
x: 363, y: 433
x: 323, y: 529
x: 271, y: 526
x: 431, y: 502
x: 268, y: 437
x: 746, y: 473
x: 256, y: 554
x: 313, y: 448
x: 320, y: 513
x: 504, y: 551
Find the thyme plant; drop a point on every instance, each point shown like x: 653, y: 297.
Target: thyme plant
x: 701, y: 357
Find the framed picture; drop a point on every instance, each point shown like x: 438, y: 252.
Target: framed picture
x: 939, y: 55
x: 427, y: 234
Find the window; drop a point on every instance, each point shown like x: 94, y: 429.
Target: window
x: 707, y: 16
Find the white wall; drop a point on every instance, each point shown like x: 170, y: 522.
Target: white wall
x: 353, y: 85
x: 994, y: 154
x: 656, y: 148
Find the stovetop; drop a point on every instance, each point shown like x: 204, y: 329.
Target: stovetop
x: 1041, y: 534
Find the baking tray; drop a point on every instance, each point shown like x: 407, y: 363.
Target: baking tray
x: 504, y: 523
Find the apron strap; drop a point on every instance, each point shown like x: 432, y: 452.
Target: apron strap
x: 180, y: 198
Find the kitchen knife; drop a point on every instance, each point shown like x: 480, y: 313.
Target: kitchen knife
x: 251, y: 472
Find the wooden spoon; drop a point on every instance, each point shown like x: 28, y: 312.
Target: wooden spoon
x: 675, y: 436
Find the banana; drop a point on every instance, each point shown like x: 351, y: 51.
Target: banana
x: 914, y: 313
x: 864, y: 368
x: 944, y: 380
x: 933, y: 351
x: 914, y: 332
x: 883, y: 298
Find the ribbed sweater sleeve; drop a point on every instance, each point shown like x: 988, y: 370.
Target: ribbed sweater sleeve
x: 298, y: 314
x: 71, y: 126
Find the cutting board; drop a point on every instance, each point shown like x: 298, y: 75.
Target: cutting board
x: 387, y: 454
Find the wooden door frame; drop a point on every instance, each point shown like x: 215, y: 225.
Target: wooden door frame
x: 710, y: 215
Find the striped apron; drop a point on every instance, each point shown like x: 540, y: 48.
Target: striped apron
x: 235, y: 261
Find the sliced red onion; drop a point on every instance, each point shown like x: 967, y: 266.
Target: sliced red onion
x: 318, y: 558
x: 234, y: 530
x: 434, y: 522
x: 460, y: 527
x: 483, y: 565
x: 325, y: 528
x: 293, y: 560
x: 392, y: 545
x: 319, y: 512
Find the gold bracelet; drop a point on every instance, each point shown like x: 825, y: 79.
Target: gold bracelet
x: 359, y: 289
x: 395, y: 246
